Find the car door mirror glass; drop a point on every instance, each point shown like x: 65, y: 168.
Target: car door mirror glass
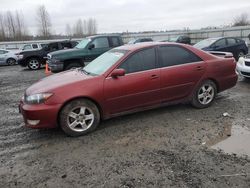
x: 118, y: 72
x: 91, y: 46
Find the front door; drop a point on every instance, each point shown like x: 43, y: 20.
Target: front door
x: 139, y: 87
x: 99, y: 45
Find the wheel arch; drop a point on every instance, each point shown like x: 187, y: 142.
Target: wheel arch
x: 80, y: 97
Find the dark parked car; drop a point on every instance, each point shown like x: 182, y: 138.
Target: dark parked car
x: 87, y: 50
x: 179, y: 39
x: 236, y: 46
x: 124, y: 80
x: 134, y: 41
x: 35, y: 58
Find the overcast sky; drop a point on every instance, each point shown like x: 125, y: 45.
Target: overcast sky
x: 132, y: 15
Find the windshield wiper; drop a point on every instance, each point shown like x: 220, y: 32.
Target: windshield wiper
x: 85, y: 72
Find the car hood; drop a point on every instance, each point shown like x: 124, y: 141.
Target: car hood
x: 67, y: 54
x: 50, y: 83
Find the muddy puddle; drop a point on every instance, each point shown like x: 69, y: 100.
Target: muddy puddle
x: 236, y: 141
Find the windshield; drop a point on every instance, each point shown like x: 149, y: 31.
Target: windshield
x: 104, y: 62
x: 173, y: 39
x: 204, y: 43
x: 83, y: 43
x: 132, y: 41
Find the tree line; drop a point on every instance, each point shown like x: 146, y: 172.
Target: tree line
x: 14, y: 28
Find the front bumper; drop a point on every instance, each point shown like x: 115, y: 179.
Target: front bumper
x: 243, y: 70
x: 22, y: 62
x: 55, y: 66
x: 45, y: 115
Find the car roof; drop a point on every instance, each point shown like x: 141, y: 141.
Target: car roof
x: 108, y: 35
x: 133, y: 47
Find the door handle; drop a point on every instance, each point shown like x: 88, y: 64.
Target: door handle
x: 199, y: 68
x: 154, y: 76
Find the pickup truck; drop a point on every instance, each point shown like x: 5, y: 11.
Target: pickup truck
x: 87, y: 50
x: 35, y: 58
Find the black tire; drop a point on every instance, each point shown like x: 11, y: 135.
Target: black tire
x: 199, y: 97
x: 72, y: 114
x: 72, y: 66
x: 11, y: 61
x: 34, y: 64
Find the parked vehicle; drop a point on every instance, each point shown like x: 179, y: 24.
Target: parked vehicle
x: 236, y: 46
x: 87, y: 50
x: 7, y: 57
x: 35, y: 58
x: 134, y: 41
x: 124, y: 80
x: 243, y: 67
x: 33, y: 46
x: 179, y: 39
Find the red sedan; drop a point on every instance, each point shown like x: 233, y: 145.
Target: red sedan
x: 124, y: 80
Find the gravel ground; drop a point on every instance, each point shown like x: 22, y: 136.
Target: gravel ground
x: 157, y: 148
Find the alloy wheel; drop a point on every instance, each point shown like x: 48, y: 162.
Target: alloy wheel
x: 206, y: 94
x: 80, y: 119
x: 34, y: 64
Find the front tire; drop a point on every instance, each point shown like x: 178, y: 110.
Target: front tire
x: 34, y: 64
x: 204, y: 94
x: 79, y: 117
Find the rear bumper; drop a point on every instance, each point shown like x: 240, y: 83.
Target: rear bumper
x: 228, y: 82
x: 45, y: 115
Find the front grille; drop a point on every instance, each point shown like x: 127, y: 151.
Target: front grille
x: 247, y: 63
x: 245, y: 73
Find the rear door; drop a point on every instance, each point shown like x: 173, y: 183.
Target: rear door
x: 139, y: 87
x: 181, y: 69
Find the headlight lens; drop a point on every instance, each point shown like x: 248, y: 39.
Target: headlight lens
x: 241, y: 61
x: 37, y: 98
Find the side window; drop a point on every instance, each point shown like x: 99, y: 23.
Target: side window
x: 174, y: 55
x: 53, y: 46
x: 34, y: 46
x: 231, y: 41
x: 115, y: 41
x: 220, y: 43
x: 27, y: 47
x: 101, y: 42
x: 140, y: 61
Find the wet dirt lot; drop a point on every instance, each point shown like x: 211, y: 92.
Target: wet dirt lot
x: 166, y: 147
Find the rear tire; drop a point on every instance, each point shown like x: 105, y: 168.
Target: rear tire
x: 72, y: 66
x: 204, y: 94
x: 34, y: 64
x: 79, y: 117
x: 11, y: 61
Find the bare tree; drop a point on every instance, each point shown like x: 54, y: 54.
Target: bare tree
x: 11, y: 25
x: 21, y: 32
x: 2, y: 28
x: 78, y: 29
x: 241, y: 20
x: 44, y: 22
x: 91, y: 26
x: 68, y: 30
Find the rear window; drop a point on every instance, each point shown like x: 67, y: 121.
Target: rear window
x: 175, y: 55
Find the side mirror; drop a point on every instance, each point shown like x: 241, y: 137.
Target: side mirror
x: 91, y: 46
x: 118, y: 72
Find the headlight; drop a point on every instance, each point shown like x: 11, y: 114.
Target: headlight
x: 241, y: 61
x: 37, y: 98
x: 19, y: 56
